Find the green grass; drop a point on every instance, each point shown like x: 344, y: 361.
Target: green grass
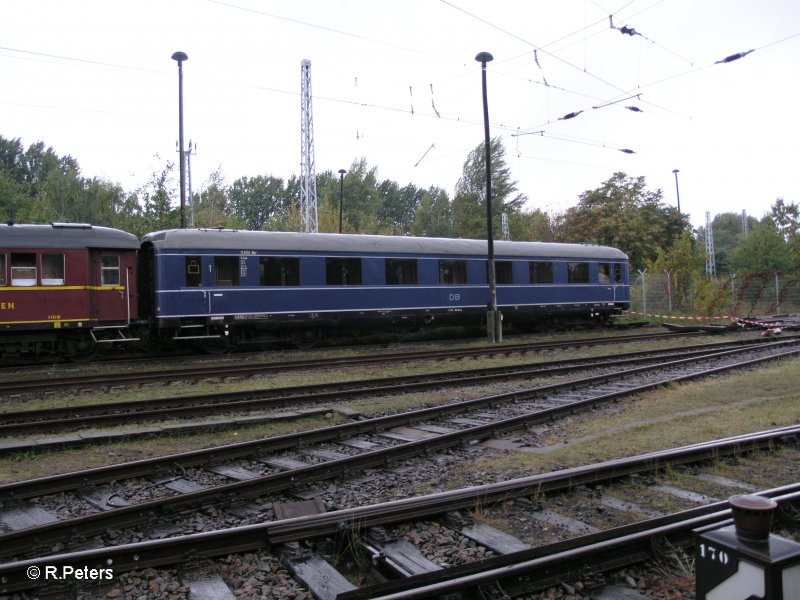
x: 674, y: 416
x: 670, y: 417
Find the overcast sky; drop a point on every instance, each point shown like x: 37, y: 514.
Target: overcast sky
x: 396, y: 82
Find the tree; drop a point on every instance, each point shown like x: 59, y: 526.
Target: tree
x: 255, y: 201
x: 533, y: 225
x: 212, y: 208
x: 433, y: 216
x: 398, y: 206
x: 469, y: 201
x: 12, y: 161
x: 763, y: 250
x: 37, y: 185
x: 13, y: 191
x: 60, y: 195
x: 361, y: 198
x: 13, y: 199
x: 288, y: 217
x: 624, y: 214
x: 787, y: 219
x: 728, y: 234
x: 328, y: 198
x: 684, y: 263
x: 154, y: 198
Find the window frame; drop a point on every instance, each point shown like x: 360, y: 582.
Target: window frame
x: 106, y: 270
x: 227, y: 262
x: 193, y: 279
x: 457, y: 269
x: 60, y: 268
x: 401, y: 271
x: 17, y: 281
x: 604, y: 273
x: 288, y: 271
x: 338, y: 267
x: 576, y: 269
x: 503, y: 272
x: 533, y: 272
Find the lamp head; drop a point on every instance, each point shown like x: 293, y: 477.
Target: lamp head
x: 484, y: 57
x: 180, y: 56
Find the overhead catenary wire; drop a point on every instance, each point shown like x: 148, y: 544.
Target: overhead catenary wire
x: 382, y: 105
x: 529, y: 43
x: 424, y: 155
x: 373, y: 106
x: 264, y: 88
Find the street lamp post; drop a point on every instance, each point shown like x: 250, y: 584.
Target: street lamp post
x: 677, y: 191
x: 341, y: 196
x: 494, y: 320
x: 180, y: 57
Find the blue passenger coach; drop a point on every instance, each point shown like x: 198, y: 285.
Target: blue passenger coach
x: 254, y: 286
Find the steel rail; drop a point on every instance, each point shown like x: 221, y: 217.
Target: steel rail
x: 15, y: 491
x: 118, y: 379
x: 21, y: 541
x: 189, y: 355
x: 115, y: 413
x: 542, y: 567
x: 13, y: 575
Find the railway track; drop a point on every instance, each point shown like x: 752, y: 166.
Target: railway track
x: 93, y: 503
x: 42, y: 422
x: 189, y: 356
x: 37, y: 384
x: 377, y: 535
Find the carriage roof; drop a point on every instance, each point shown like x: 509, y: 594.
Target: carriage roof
x: 282, y: 241
x: 65, y: 236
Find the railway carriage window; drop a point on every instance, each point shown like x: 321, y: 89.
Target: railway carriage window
x: 343, y: 271
x: 401, y: 271
x: 280, y: 271
x: 540, y: 272
x: 52, y: 269
x: 109, y: 270
x: 578, y: 272
x: 453, y: 271
x: 617, y: 273
x: 502, y: 272
x: 2, y: 269
x: 23, y: 269
x: 193, y: 274
x: 604, y: 273
x: 226, y: 270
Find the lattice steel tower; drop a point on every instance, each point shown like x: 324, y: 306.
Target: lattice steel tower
x: 711, y: 263
x: 308, y: 179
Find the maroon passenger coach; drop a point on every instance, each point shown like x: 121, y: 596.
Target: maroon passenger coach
x: 65, y: 288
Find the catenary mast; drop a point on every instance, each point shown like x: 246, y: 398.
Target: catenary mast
x: 711, y: 263
x: 308, y: 180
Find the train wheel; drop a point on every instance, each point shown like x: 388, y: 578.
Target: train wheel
x: 216, y: 347
x: 304, y: 338
x: 81, y: 348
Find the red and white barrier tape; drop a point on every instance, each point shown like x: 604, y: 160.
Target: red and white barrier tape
x: 679, y: 318
x: 738, y: 320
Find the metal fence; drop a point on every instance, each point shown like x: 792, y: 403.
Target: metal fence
x: 754, y: 294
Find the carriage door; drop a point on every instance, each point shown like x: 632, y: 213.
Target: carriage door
x: 108, y: 286
x: 607, y: 278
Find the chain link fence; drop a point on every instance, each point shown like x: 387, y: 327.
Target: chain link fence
x: 756, y: 294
